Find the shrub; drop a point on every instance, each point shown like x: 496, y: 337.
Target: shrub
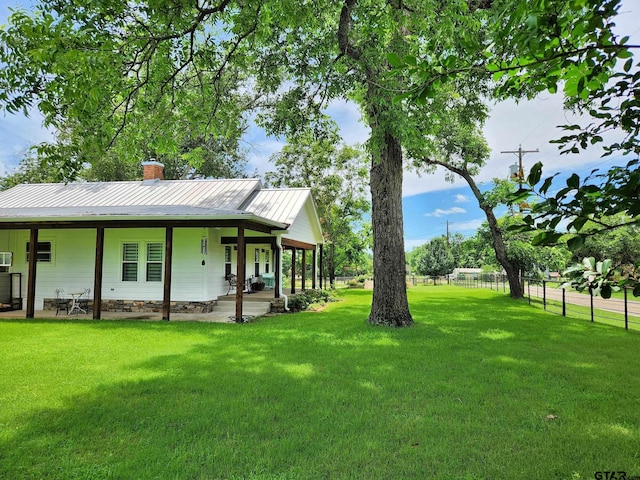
x: 303, y: 300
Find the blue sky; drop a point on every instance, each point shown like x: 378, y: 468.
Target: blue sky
x: 429, y: 199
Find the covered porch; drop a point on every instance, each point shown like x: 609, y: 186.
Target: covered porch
x: 98, y: 309
x: 254, y: 305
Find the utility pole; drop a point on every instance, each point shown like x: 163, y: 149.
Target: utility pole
x: 447, y: 233
x: 520, y: 153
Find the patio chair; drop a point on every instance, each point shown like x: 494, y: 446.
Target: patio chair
x: 233, y: 282
x: 269, y: 280
x: 60, y: 302
x: 83, y: 301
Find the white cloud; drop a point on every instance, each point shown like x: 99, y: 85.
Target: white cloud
x: 469, y: 225
x: 461, y: 198
x: 439, y: 212
x: 415, y: 184
x: 411, y: 244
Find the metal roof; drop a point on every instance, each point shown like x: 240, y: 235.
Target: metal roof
x: 220, y: 194
x: 281, y: 205
x: 235, y: 198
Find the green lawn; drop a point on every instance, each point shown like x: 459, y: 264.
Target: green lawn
x: 482, y: 387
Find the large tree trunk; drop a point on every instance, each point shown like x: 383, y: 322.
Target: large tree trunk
x: 390, y: 306
x: 513, y: 276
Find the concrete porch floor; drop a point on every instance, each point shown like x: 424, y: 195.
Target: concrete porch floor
x: 220, y: 314
x: 254, y: 305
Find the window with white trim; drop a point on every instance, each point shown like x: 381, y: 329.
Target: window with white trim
x: 267, y: 256
x: 154, y: 262
x: 43, y: 252
x: 130, y: 262
x: 227, y: 261
x: 5, y: 259
x: 256, y: 259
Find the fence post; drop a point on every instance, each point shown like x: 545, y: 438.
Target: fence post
x: 544, y: 294
x: 626, y: 311
x: 528, y: 288
x: 591, y: 302
x: 564, y: 304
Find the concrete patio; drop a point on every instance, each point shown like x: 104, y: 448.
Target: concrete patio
x: 254, y: 305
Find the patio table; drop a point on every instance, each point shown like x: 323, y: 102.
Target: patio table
x: 75, y: 303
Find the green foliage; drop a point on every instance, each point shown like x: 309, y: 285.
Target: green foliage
x: 522, y: 253
x: 596, y: 203
x: 597, y: 277
x: 433, y: 259
x: 594, y: 207
x: 602, y: 277
x: 534, y: 46
x: 28, y: 171
x: 621, y: 244
x: 138, y: 81
x: 309, y: 298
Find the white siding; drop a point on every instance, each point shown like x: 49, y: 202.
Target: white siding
x: 71, y: 266
x: 112, y: 285
x: 216, y: 284
x: 4, y: 241
x: 73, y: 260
x: 188, y: 275
x: 305, y: 226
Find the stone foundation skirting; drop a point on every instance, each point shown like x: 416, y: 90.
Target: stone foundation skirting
x: 277, y: 305
x: 145, y: 306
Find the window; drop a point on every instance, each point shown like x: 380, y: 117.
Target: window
x: 154, y: 262
x: 130, y: 262
x: 43, y: 251
x: 256, y: 259
x: 5, y: 259
x: 227, y: 261
x: 267, y: 254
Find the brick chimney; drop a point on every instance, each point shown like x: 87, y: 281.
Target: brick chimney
x: 152, y: 170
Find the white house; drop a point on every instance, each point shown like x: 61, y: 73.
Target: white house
x: 167, y: 243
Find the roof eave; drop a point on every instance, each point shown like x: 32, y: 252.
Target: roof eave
x: 169, y: 219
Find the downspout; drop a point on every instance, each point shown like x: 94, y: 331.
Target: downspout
x: 286, y: 299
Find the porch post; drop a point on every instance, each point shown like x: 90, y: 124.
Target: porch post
x: 293, y: 270
x: 97, y: 274
x: 277, y: 270
x: 168, y: 254
x: 321, y: 270
x: 240, y: 272
x: 314, y: 266
x: 31, y: 283
x: 304, y: 269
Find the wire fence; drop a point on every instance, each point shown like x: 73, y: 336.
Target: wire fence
x: 620, y: 311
